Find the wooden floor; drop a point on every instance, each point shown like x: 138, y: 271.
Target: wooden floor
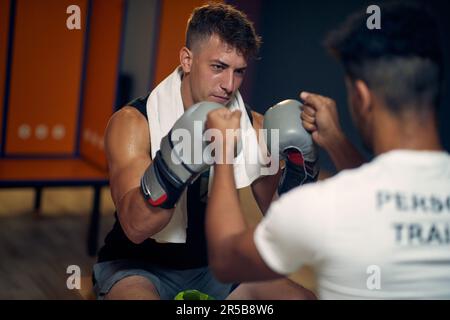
x: 35, y: 250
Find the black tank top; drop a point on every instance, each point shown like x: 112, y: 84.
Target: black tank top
x: 192, y: 254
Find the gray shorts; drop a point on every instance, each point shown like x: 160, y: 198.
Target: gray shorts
x: 168, y: 282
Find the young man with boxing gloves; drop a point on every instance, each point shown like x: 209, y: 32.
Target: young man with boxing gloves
x: 381, y: 230
x: 157, y: 246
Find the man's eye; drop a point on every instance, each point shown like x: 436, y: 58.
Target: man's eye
x: 240, y: 72
x: 217, y: 67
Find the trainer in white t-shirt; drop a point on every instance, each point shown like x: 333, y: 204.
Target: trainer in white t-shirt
x: 379, y: 231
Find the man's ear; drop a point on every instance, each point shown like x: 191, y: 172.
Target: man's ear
x: 186, y: 57
x: 363, y: 97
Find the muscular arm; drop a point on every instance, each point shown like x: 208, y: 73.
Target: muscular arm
x: 127, y: 144
x: 233, y: 255
x: 265, y: 187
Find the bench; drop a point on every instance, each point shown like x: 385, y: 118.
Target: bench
x: 71, y: 172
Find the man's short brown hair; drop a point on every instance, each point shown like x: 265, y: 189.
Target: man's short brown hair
x: 231, y: 25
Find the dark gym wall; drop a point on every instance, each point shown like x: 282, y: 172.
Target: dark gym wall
x: 141, y: 28
x: 293, y: 59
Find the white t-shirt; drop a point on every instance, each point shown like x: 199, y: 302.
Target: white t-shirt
x: 379, y: 231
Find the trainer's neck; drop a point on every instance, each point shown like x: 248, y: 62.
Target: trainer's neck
x: 410, y: 132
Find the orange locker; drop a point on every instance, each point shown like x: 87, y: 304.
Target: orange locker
x: 102, y: 70
x: 46, y: 71
x: 5, y: 6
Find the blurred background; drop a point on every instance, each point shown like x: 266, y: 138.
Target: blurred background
x: 59, y: 86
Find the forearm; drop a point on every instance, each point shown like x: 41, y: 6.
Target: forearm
x: 232, y: 252
x: 224, y: 218
x: 138, y: 219
x: 344, y: 154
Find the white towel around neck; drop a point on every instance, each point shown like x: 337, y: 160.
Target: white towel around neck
x: 164, y: 107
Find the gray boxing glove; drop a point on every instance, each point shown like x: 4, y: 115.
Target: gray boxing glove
x: 178, y: 161
x: 296, y: 146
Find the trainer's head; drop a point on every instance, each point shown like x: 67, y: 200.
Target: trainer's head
x: 396, y: 70
x: 220, y: 40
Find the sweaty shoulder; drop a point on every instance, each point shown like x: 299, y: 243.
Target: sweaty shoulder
x: 128, y: 128
x: 127, y: 151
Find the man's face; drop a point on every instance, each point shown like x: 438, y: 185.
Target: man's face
x: 216, y: 71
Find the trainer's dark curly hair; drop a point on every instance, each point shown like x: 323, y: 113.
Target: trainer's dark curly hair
x: 230, y: 24
x: 401, y: 62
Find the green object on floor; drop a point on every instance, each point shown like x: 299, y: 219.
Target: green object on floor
x: 192, y: 295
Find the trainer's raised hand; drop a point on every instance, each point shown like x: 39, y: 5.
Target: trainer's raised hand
x: 320, y: 117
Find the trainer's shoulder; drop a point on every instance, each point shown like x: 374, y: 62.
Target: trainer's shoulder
x: 355, y: 177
